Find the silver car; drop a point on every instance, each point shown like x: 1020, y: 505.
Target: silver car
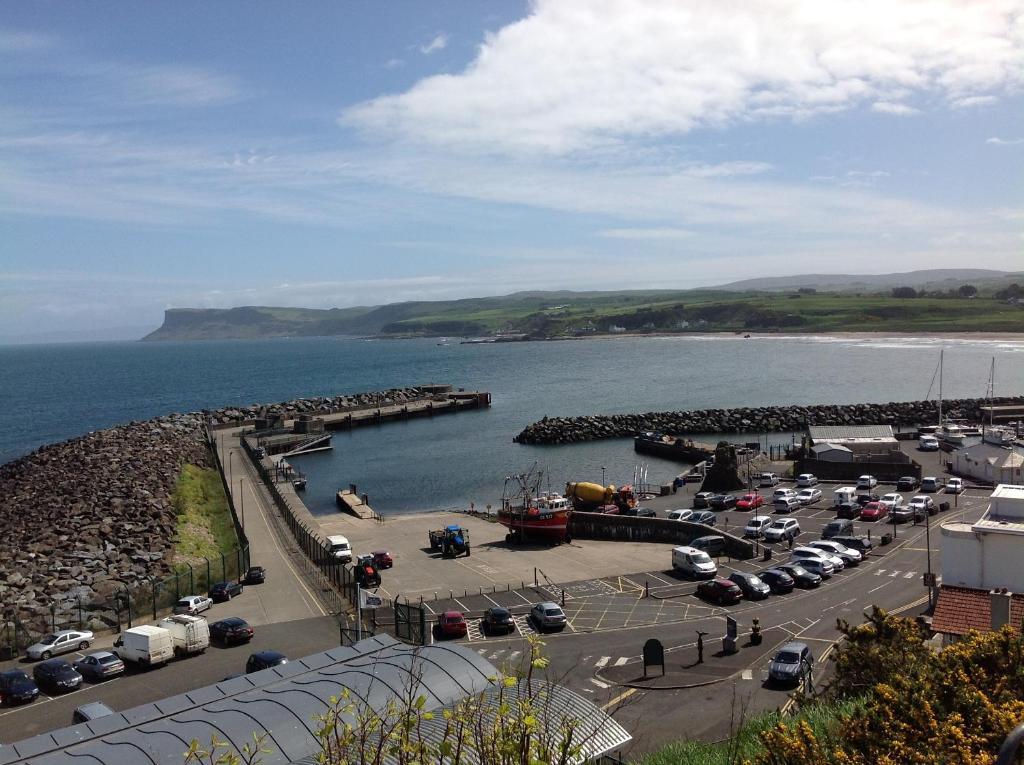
x: 848, y: 556
x: 60, y: 642
x: 548, y: 616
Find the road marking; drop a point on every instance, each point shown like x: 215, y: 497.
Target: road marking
x: 621, y: 660
x: 599, y: 684
x: 909, y: 575
x: 880, y: 571
x: 603, y: 661
x: 624, y: 695
x: 747, y: 674
x: 895, y: 573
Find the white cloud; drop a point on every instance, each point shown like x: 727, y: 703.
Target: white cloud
x: 892, y: 107
x: 996, y: 141
x: 394, y: 63
x: 440, y: 42
x: 572, y: 76
x: 655, y: 234
x: 971, y: 101
x: 19, y: 42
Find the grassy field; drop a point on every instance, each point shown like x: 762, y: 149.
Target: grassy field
x: 205, y: 527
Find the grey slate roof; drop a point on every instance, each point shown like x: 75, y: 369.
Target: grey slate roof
x: 840, y: 433
x: 285, y: 700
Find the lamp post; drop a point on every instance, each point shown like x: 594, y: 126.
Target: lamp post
x: 241, y: 492
x: 928, y: 555
x: 602, y: 477
x: 231, y: 468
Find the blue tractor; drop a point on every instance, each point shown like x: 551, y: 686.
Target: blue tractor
x: 451, y: 541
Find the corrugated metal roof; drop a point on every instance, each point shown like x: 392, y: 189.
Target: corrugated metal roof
x: 284, y: 701
x: 839, y: 433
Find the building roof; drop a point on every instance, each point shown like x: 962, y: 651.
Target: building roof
x: 840, y: 433
x: 829, y: 447
x: 284, y: 701
x: 959, y: 610
x: 997, y: 456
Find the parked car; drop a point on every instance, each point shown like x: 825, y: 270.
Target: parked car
x: 801, y: 576
x: 192, y: 604
x: 751, y: 585
x: 924, y: 504
x: 850, y: 510
x: 874, y: 511
x: 806, y: 479
x: 231, y: 630
x: 861, y: 544
x: 749, y: 502
x: 892, y: 500
x: 756, y: 525
x: 681, y: 514
x: 382, y: 559
x: 146, y: 645
x: 497, y: 620
x: 815, y: 560
x: 954, y: 485
x: 91, y: 711
x: 866, y: 498
x: 782, y: 528
x: 548, y: 615
x: 264, y: 660
x: 867, y: 482
x: 59, y: 642
x: 641, y: 512
x: 769, y: 479
x: 706, y: 517
x: 786, y: 504
x: 720, y: 591
x: 907, y: 483
x: 778, y: 581
x: 702, y: 499
x: 905, y: 513
x: 809, y: 496
x: 222, y: 591
x: 783, y: 493
x: 255, y: 575
x: 791, y: 664
x: 712, y: 545
x: 928, y: 443
x: 837, y: 527
x: 930, y: 484
x: 723, y: 501
x: 849, y: 556
x: 101, y: 665
x: 56, y: 675
x: 451, y: 624
x: 693, y: 562
x: 16, y: 687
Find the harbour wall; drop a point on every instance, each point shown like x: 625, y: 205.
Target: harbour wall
x: 764, y: 419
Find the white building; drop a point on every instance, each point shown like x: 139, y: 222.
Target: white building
x: 859, y: 439
x: 990, y: 463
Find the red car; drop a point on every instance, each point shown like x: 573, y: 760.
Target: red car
x: 874, y: 511
x: 720, y: 590
x: 382, y: 559
x: 451, y: 624
x: 750, y: 502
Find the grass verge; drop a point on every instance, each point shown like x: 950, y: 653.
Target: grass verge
x: 205, y: 526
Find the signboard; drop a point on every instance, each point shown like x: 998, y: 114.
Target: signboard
x: 654, y: 655
x: 929, y: 579
x: 370, y: 600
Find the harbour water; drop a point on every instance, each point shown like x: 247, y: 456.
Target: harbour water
x: 50, y: 393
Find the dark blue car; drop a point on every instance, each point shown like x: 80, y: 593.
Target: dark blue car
x: 16, y: 687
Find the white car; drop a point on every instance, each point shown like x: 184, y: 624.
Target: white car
x: 809, y: 496
x: 192, y: 604
x: 819, y: 566
x: 679, y: 515
x: 891, y: 500
x: 782, y: 528
x: 848, y: 555
x: 867, y: 482
x: 769, y: 479
x: 756, y: 525
x: 783, y: 494
x: 922, y: 505
x: 813, y: 552
x: 954, y: 486
x: 806, y: 479
x: 59, y: 642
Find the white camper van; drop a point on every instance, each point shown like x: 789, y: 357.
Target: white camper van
x: 844, y: 495
x: 189, y: 634
x: 147, y: 645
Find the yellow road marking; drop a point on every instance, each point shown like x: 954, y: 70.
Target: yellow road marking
x: 624, y: 695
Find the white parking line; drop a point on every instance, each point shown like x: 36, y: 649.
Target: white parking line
x: 603, y: 661
x: 884, y: 584
x: 599, y: 684
x: 621, y: 660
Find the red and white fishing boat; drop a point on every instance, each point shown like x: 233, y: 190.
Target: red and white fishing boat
x: 531, y: 515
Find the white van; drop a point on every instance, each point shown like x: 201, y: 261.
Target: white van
x: 190, y: 634
x: 694, y: 562
x: 844, y: 495
x: 147, y: 645
x: 340, y: 548
x: 928, y: 443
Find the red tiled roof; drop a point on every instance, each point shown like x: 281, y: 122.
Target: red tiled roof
x: 961, y: 609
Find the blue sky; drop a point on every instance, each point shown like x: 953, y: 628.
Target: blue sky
x: 335, y: 154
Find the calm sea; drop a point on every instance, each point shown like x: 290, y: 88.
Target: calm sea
x: 54, y: 392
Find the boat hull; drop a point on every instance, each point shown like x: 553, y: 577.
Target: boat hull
x: 552, y: 528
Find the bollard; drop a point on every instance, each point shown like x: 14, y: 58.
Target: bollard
x: 451, y: 595
x: 563, y: 597
x: 647, y: 588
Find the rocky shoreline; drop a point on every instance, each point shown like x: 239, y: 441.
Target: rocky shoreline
x: 228, y: 416
x: 764, y: 419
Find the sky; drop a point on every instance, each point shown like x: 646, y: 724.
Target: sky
x: 321, y: 154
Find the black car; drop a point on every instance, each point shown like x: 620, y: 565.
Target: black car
x: 225, y: 591
x: 57, y: 675
x: 497, y: 620
x: 863, y: 545
x: 231, y: 630
x: 255, y: 575
x: 751, y: 585
x: 641, y: 512
x: 863, y: 499
x: 849, y: 510
x: 99, y: 666
x: 264, y: 660
x: 801, y: 576
x: 723, y: 501
x: 17, y: 688
x: 703, y: 516
x: 778, y: 581
x: 907, y: 483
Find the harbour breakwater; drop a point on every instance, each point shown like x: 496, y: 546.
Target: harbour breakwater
x: 233, y: 416
x: 762, y: 419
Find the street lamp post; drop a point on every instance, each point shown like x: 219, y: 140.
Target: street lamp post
x: 928, y: 555
x: 602, y: 477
